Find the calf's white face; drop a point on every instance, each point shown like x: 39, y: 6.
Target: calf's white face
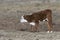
x: 22, y: 19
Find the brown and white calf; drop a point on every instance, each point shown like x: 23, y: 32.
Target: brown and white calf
x: 35, y: 18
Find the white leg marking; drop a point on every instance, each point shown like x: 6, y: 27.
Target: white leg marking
x: 48, y: 31
x: 32, y: 23
x: 51, y: 31
x: 22, y: 19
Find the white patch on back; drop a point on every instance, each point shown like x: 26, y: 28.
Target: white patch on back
x: 32, y: 23
x: 22, y: 19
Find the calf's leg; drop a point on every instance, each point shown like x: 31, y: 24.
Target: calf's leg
x: 49, y: 22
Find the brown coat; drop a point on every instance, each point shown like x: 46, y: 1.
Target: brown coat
x: 40, y: 16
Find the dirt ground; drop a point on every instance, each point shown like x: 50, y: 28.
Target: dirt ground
x: 10, y: 26
x: 23, y: 35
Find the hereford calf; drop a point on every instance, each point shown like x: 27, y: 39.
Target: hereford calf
x: 36, y: 17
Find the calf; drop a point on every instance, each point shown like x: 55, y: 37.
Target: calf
x: 35, y: 18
